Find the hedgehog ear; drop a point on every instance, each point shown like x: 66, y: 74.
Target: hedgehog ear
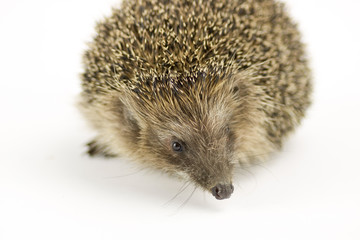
x: 128, y: 117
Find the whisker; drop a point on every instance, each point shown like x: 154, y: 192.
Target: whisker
x: 187, y: 200
x: 265, y: 168
x: 182, y: 189
x: 125, y: 175
x: 248, y: 171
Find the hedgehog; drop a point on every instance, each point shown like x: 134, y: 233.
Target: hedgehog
x: 195, y: 88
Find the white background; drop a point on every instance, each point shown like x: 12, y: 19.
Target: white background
x: 49, y: 189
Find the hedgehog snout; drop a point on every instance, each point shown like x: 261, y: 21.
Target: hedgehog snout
x: 222, y: 191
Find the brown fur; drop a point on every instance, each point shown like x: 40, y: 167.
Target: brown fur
x: 227, y: 78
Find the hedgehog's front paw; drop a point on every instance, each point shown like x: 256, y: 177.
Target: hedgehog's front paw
x: 96, y: 149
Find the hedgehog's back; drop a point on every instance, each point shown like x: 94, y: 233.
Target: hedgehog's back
x: 147, y: 44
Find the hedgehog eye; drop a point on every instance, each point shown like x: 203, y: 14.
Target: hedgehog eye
x: 176, y: 146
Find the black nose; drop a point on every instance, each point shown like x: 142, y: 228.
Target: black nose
x: 222, y: 191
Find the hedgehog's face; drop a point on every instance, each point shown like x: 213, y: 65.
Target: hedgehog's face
x: 194, y: 134
x: 198, y: 148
